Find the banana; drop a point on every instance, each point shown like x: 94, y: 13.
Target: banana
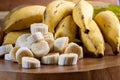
x: 50, y: 42
x: 68, y: 59
x: 36, y: 37
x: 11, y: 37
x: 5, y: 49
x: 60, y: 44
x: 74, y: 48
x: 51, y: 58
x: 66, y: 27
x: 48, y: 35
x: 110, y: 28
x: 39, y: 27
x: 82, y: 15
x: 40, y: 49
x: 12, y: 53
x: 22, y: 41
x: 55, y: 12
x: 92, y: 42
x: 30, y: 62
x: 7, y: 57
x: 23, y: 52
x: 27, y: 15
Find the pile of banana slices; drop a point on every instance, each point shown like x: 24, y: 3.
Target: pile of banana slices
x: 40, y: 47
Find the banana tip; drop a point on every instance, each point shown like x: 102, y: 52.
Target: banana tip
x: 100, y: 55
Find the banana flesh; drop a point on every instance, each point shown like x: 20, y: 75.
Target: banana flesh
x: 27, y: 15
x: 39, y: 27
x: 40, y: 49
x: 55, y: 11
x: 66, y: 27
x: 30, y: 62
x: 23, y: 52
x: 110, y: 28
x: 82, y: 15
x: 51, y: 58
x: 68, y: 59
x: 92, y: 42
x: 74, y: 48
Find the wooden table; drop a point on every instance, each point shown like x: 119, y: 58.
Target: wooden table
x: 106, y: 68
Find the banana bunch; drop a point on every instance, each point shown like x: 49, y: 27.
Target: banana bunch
x: 89, y: 31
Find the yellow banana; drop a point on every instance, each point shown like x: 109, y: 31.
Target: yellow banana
x: 82, y: 15
x: 110, y: 27
x: 21, y: 18
x: 93, y: 41
x: 66, y: 27
x: 11, y: 37
x: 56, y: 11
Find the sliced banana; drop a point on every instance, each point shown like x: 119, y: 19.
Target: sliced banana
x: 48, y: 35
x: 22, y: 41
x: 74, y: 48
x: 4, y: 49
x: 50, y: 42
x: 68, y: 59
x: 39, y: 27
x: 60, y: 44
x: 13, y: 53
x: 23, y: 52
x: 7, y: 57
x: 30, y: 62
x: 51, y: 58
x: 38, y: 36
x: 40, y: 49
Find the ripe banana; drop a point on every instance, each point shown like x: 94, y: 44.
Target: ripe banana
x: 11, y: 37
x: 60, y: 44
x: 7, y: 57
x: 30, y: 62
x: 22, y: 41
x: 23, y: 52
x: 48, y: 35
x: 66, y: 27
x: 68, y: 59
x: 82, y: 15
x: 39, y: 27
x: 74, y: 48
x: 50, y: 42
x: 5, y: 49
x: 40, y: 49
x: 21, y: 19
x: 55, y: 11
x: 51, y: 58
x: 110, y: 28
x: 93, y: 41
x: 12, y: 53
x: 36, y: 37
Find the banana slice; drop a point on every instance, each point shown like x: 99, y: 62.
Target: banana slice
x: 74, y: 48
x: 23, y: 52
x: 7, y: 57
x: 51, y: 58
x: 40, y: 49
x: 30, y: 62
x: 39, y: 27
x: 50, y: 42
x: 68, y: 59
x: 35, y: 37
x: 60, y: 44
x: 13, y: 53
x: 5, y: 49
x: 22, y: 41
x: 48, y: 35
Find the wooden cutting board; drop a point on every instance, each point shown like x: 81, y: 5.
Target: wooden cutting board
x: 106, y: 68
